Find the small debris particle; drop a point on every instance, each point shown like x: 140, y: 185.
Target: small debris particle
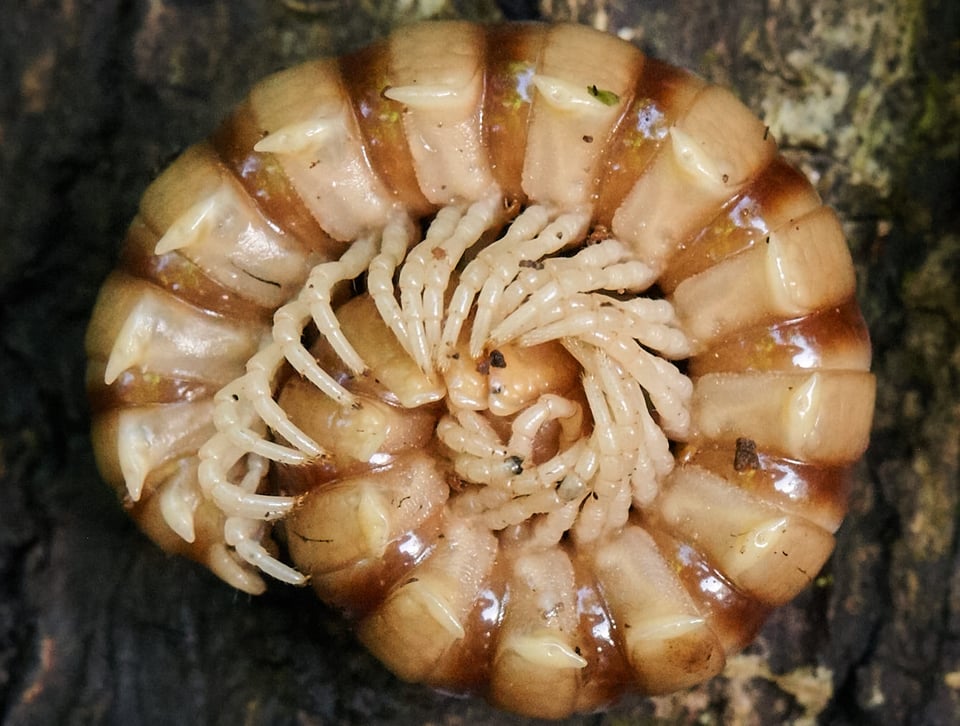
x: 607, y: 98
x: 598, y: 234
x: 515, y: 464
x: 587, y: 138
x: 483, y: 367
x: 497, y: 360
x: 533, y: 264
x: 745, y: 458
x: 766, y: 132
x: 726, y: 178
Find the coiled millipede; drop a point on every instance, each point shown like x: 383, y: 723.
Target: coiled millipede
x: 526, y: 351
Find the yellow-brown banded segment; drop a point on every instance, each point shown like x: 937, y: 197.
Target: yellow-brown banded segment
x: 527, y: 351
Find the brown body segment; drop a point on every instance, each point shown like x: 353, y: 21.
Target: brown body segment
x: 366, y: 74
x: 547, y: 550
x: 182, y: 277
x: 513, y: 55
x: 832, y: 338
x: 263, y: 178
x: 776, y: 195
x: 663, y: 93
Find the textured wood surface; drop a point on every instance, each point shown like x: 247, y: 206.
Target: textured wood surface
x: 99, y: 627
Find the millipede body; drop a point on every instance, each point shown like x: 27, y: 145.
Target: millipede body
x: 526, y: 351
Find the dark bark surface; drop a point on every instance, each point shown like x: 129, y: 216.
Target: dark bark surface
x: 99, y: 627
